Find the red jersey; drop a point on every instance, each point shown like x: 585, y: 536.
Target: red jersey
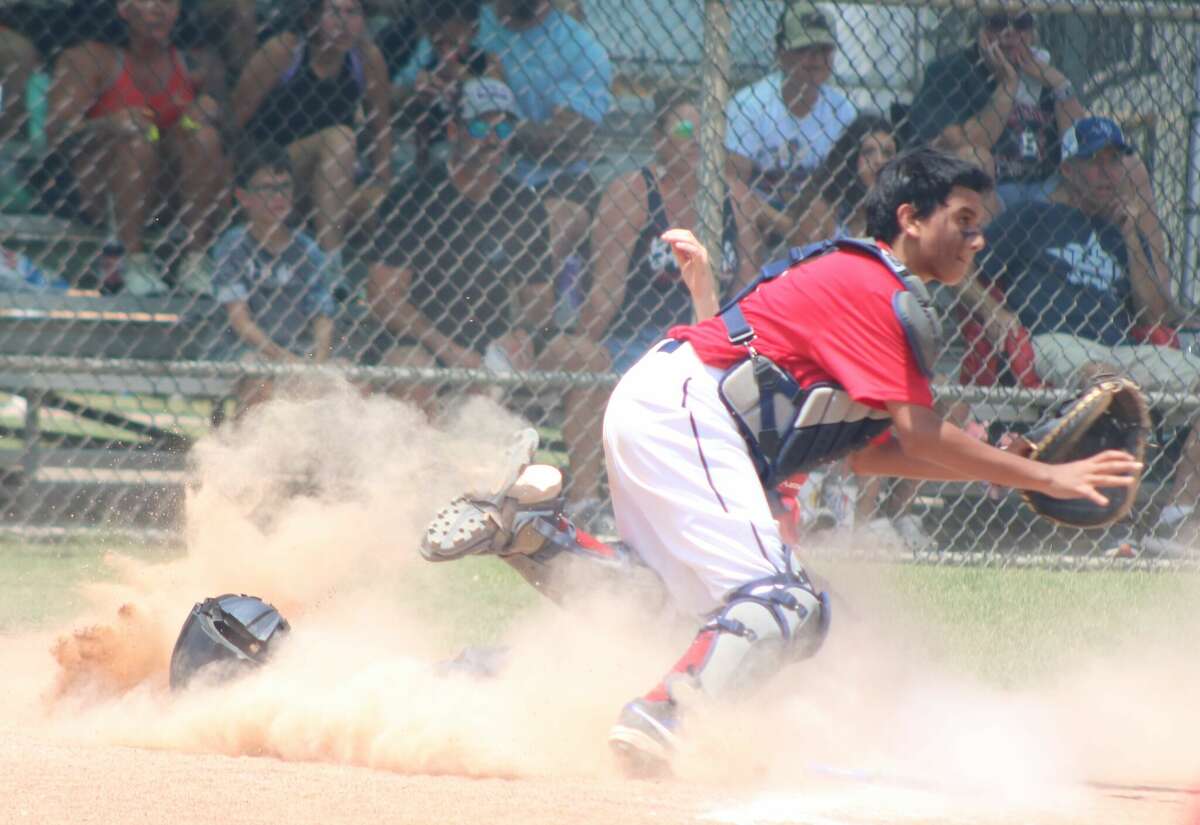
x: 167, y: 105
x: 826, y: 319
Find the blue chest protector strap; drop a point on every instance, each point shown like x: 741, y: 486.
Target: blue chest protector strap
x: 789, y: 429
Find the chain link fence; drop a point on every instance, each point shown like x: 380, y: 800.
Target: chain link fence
x: 201, y: 199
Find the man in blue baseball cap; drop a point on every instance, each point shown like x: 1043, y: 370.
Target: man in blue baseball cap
x: 1085, y: 273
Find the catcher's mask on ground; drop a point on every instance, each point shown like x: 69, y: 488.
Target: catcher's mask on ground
x: 230, y: 633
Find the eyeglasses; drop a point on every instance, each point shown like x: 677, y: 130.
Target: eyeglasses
x: 479, y: 129
x: 683, y: 129
x: 997, y: 23
x: 272, y: 189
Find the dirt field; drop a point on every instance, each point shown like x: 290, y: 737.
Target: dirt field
x: 352, y: 723
x: 47, y: 782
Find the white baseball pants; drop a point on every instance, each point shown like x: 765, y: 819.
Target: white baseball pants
x: 685, y: 493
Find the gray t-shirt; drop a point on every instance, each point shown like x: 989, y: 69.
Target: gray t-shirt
x: 284, y: 292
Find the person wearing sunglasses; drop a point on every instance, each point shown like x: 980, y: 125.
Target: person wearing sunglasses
x: 1001, y: 95
x: 638, y: 291
x: 461, y: 275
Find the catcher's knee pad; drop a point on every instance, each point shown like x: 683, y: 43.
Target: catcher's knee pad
x: 762, y: 626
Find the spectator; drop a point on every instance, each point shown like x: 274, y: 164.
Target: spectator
x: 637, y: 292
x: 302, y: 91
x: 18, y: 61
x: 562, y: 80
x: 229, y: 27
x: 445, y: 57
x: 269, y: 278
x: 839, y: 187
x: 1081, y: 271
x: 462, y: 268
x: 1003, y: 95
x: 126, y: 115
x: 783, y: 126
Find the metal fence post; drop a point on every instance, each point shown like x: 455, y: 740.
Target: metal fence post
x: 715, y: 95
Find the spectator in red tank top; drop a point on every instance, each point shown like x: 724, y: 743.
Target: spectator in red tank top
x: 138, y: 124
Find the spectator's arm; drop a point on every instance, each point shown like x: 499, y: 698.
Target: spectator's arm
x: 211, y: 105
x: 613, y: 235
x: 622, y: 210
x: 985, y: 128
x: 73, y: 90
x: 532, y: 303
x: 993, y: 315
x: 322, y: 334
x: 250, y: 333
x: 742, y: 166
x: 377, y: 108
x: 260, y: 76
x: 943, y: 102
x: 750, y: 241
x: 1149, y: 277
x: 387, y: 299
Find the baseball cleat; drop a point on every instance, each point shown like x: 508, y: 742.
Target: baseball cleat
x: 644, y: 738
x: 501, y: 523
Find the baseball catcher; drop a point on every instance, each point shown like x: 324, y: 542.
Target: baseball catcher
x: 828, y: 354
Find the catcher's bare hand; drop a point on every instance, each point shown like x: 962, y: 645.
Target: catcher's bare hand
x: 1080, y: 479
x: 692, y: 258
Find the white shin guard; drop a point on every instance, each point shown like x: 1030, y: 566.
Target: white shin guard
x: 763, y: 626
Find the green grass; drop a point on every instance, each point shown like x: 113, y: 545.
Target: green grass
x: 1008, y: 627
x: 1013, y: 626
x: 38, y: 581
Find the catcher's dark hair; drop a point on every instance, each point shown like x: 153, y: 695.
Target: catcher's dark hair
x: 923, y: 178
x: 255, y: 156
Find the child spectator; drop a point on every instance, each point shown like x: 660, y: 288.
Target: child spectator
x: 302, y: 90
x: 270, y: 278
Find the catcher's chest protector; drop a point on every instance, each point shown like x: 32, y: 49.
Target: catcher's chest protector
x: 791, y: 430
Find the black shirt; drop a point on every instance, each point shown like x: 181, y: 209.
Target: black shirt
x: 467, y: 259
x: 959, y: 86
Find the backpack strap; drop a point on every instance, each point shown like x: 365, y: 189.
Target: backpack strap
x: 739, y: 329
x: 912, y: 305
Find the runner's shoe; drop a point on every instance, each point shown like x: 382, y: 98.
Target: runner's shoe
x: 645, y: 738
x: 503, y: 523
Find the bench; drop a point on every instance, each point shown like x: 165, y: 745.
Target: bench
x: 74, y: 432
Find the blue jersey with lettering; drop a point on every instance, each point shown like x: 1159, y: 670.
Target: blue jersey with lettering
x: 1061, y: 271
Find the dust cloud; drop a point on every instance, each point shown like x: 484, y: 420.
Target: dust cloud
x: 316, y: 502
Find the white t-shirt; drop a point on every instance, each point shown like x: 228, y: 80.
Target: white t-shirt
x: 784, y: 148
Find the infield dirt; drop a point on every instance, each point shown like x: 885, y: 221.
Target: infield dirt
x: 353, y: 722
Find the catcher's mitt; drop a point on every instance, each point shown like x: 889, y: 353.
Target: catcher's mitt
x: 1111, y: 414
